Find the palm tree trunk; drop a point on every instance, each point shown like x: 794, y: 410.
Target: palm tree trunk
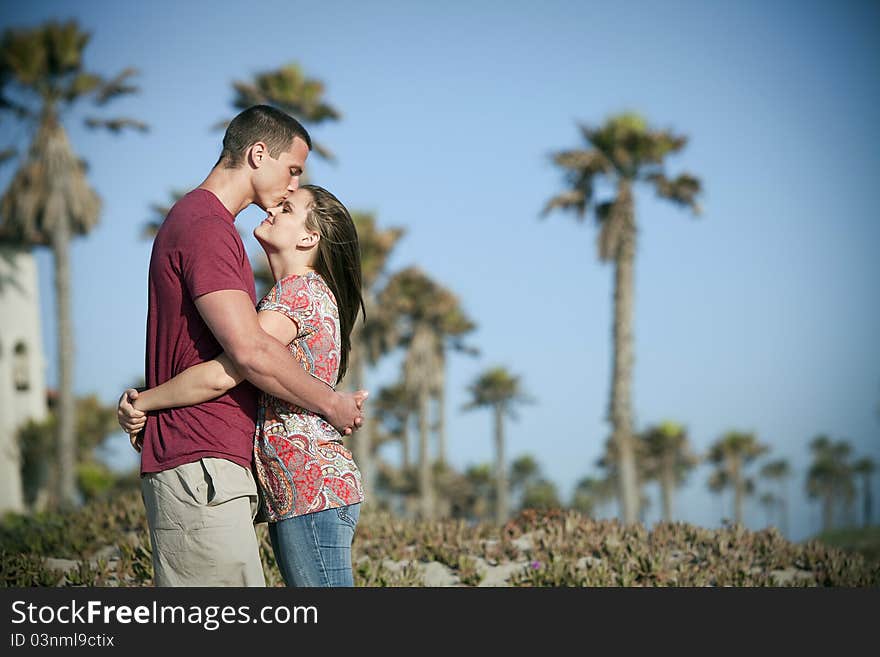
x: 66, y: 436
x: 621, y: 376
x: 828, y: 510
x: 426, y: 496
x: 783, y: 509
x: 866, y: 501
x: 404, y: 443
x: 666, y: 486
x: 738, y: 492
x: 362, y: 439
x: 441, y: 415
x: 501, y: 508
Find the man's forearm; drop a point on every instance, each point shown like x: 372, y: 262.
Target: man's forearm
x: 272, y: 369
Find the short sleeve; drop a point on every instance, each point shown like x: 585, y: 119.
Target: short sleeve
x: 212, y: 259
x: 293, y: 297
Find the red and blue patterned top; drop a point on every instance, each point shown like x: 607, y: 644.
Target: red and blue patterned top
x: 301, y: 464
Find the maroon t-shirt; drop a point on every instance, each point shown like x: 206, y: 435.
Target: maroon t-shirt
x: 196, y: 251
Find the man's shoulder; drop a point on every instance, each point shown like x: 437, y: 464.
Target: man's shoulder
x: 199, y: 205
x: 197, y: 215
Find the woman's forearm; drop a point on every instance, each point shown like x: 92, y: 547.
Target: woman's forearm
x: 194, y: 385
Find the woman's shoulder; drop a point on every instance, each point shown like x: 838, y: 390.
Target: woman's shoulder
x: 320, y: 285
x: 301, y: 287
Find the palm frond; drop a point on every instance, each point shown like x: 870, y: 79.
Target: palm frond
x: 682, y: 190
x: 116, y: 125
x: 118, y: 86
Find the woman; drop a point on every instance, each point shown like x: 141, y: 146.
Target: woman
x: 310, y: 486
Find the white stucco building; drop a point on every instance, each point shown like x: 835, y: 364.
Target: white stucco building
x: 22, y: 365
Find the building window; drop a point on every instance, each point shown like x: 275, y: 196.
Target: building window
x: 20, y: 371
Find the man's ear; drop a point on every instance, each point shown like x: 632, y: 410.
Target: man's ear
x: 257, y: 153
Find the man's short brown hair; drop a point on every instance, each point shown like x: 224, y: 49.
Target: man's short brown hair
x: 260, y: 123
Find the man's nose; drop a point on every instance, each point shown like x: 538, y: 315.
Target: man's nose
x: 294, y: 184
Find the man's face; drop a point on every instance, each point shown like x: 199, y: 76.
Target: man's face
x: 276, y: 179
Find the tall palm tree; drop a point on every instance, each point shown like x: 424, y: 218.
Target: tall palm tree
x: 49, y: 200
x: 498, y: 389
x: 730, y: 455
x: 865, y: 467
x: 668, y: 459
x: 829, y: 478
x: 422, y: 314
x: 622, y: 152
x: 779, y: 471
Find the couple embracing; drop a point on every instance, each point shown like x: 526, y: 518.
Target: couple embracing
x: 240, y: 421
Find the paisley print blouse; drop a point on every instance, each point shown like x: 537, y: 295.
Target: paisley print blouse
x: 299, y: 459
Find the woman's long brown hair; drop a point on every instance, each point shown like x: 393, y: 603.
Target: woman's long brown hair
x: 338, y: 261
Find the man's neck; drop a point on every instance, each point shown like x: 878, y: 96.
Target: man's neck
x: 230, y: 187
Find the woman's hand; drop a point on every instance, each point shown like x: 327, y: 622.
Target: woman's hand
x: 131, y: 419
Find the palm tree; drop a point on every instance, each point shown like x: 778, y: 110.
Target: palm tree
x: 622, y: 152
x: 455, y: 325
x: 865, y: 467
x: 481, y: 489
x: 829, y: 478
x: 668, y: 459
x: 372, y: 337
x: 609, y: 462
x: 394, y: 406
x: 541, y: 494
x: 49, y: 200
x: 422, y: 317
x: 590, y: 494
x: 769, y: 502
x: 523, y: 471
x: 731, y: 454
x: 499, y: 390
x: 779, y: 471
x: 288, y: 89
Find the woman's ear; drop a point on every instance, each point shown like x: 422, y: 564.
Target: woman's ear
x: 310, y: 239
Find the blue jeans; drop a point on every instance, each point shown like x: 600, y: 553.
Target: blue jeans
x: 315, y: 549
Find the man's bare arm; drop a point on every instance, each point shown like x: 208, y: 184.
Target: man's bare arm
x: 265, y: 362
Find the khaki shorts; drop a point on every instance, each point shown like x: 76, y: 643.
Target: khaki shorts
x: 201, y: 525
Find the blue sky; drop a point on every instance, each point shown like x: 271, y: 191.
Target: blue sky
x: 761, y: 315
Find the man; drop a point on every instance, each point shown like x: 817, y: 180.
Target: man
x: 196, y: 479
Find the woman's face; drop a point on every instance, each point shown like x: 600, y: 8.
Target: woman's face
x: 285, y: 225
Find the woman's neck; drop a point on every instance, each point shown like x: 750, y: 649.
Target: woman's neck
x: 284, y: 265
